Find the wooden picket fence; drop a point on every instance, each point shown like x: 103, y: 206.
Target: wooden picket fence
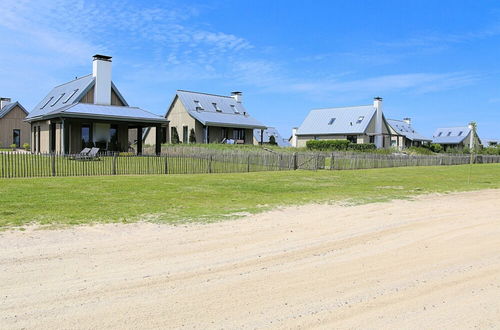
x: 201, y: 160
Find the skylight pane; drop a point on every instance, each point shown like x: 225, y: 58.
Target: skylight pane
x: 234, y: 108
x: 51, y: 98
x: 216, y: 107
x: 70, y: 96
x: 459, y: 134
x: 449, y: 133
x: 60, y: 97
x: 360, y: 119
x: 440, y: 133
x: 331, y: 121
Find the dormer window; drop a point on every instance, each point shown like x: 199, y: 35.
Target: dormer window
x: 331, y: 121
x: 216, y: 107
x: 360, y: 119
x: 233, y: 107
x: 198, y: 105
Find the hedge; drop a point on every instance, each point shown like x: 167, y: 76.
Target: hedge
x: 325, y: 145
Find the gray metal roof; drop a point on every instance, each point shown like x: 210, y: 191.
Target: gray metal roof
x: 267, y: 134
x: 112, y: 112
x: 66, y: 94
x: 318, y: 121
x: 8, y: 107
x: 450, y: 135
x: 210, y: 109
x: 405, y: 129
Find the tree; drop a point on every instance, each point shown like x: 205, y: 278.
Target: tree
x: 272, y: 140
x: 175, y: 136
x: 192, y: 136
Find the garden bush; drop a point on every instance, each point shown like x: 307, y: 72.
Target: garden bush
x: 26, y: 146
x: 436, y: 147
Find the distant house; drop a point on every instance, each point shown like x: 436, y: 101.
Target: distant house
x: 454, y: 137
x: 491, y: 142
x: 261, y: 137
x: 88, y: 111
x: 359, y: 124
x: 13, y: 128
x: 403, y: 135
x: 212, y: 118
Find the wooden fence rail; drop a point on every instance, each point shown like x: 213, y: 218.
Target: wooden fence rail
x: 201, y: 160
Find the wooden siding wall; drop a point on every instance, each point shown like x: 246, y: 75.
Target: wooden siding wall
x: 11, y: 121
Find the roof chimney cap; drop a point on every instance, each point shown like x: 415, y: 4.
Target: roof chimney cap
x: 377, y: 98
x: 98, y: 57
x: 237, y: 96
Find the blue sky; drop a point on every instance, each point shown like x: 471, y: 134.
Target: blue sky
x: 434, y: 61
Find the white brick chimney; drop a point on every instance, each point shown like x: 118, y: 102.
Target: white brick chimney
x: 379, y: 138
x: 101, y: 71
x: 293, y: 141
x: 4, y: 101
x: 237, y: 96
x: 407, y: 120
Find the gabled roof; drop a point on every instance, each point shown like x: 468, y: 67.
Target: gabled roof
x: 337, y: 121
x: 450, y: 135
x: 112, y: 112
x: 7, y: 108
x: 219, y: 110
x: 405, y: 129
x: 267, y: 134
x: 66, y: 94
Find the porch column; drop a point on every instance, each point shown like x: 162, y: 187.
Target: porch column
x: 261, y: 137
x: 158, y: 140
x: 139, y: 140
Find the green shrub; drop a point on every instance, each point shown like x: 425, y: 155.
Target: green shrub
x: 436, y: 147
x: 361, y: 146
x: 26, y: 146
x: 490, y: 151
x: 327, y: 144
x: 13, y: 146
x: 420, y: 151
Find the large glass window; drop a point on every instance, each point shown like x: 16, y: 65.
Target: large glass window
x: 239, y: 134
x: 85, y: 135
x: 16, y: 138
x: 113, y: 137
x: 352, y: 138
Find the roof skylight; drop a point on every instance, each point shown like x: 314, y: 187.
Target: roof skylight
x: 331, y: 121
x: 51, y: 98
x: 216, y: 107
x: 449, y: 133
x: 460, y: 133
x: 360, y: 119
x: 233, y: 107
x: 60, y: 97
x: 440, y: 133
x: 198, y: 105
x: 71, y: 95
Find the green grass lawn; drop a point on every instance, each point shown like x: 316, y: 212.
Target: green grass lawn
x: 210, y: 197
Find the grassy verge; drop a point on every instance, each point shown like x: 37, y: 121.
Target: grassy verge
x: 209, y: 197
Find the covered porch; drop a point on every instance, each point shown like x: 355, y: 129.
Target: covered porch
x: 222, y: 134
x: 71, y: 135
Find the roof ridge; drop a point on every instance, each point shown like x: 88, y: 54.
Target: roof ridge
x: 72, y: 80
x: 349, y: 106
x: 183, y: 90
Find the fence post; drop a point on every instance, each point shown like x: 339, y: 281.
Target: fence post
x: 331, y: 161
x: 114, y: 162
x: 210, y: 164
x: 53, y: 164
x: 295, y: 161
x: 248, y: 163
x: 166, y: 163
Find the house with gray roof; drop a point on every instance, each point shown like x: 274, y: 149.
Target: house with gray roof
x: 89, y: 112
x: 403, y: 135
x: 210, y: 118
x: 455, y: 137
x: 358, y: 124
x: 13, y: 128
x: 261, y: 137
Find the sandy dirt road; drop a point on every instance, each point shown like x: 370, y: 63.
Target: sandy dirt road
x: 433, y: 262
